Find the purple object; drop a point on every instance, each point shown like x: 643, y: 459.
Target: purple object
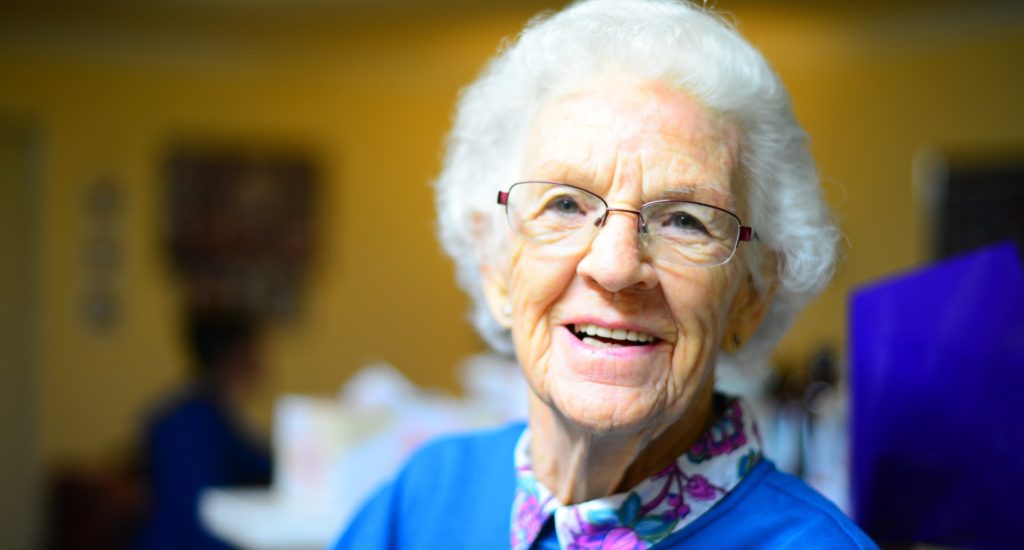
x: 937, y: 380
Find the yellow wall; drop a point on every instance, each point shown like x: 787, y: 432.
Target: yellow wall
x: 874, y: 89
x: 371, y: 98
x: 370, y: 102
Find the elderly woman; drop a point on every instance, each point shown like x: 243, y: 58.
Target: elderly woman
x: 657, y: 214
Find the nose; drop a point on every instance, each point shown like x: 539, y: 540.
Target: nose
x: 615, y: 259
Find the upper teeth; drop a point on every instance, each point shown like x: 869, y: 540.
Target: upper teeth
x: 615, y: 334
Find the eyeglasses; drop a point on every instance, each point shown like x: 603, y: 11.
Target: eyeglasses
x: 679, y: 232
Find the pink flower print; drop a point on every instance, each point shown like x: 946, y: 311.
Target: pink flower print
x: 529, y: 520
x: 621, y: 538
x: 699, y: 488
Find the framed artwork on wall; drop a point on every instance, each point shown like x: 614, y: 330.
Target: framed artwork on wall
x: 241, y: 226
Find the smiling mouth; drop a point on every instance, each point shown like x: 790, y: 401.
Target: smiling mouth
x: 596, y: 335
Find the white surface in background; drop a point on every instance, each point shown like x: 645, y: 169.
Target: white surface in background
x: 261, y: 520
x: 331, y: 454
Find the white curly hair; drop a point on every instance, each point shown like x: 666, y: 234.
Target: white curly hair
x: 686, y: 46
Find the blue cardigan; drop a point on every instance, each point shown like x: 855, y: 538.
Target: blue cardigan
x: 457, y: 493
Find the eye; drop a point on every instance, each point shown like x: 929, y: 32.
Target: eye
x: 682, y: 221
x: 564, y: 205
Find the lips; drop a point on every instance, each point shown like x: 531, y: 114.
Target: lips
x: 602, y: 336
x: 611, y: 360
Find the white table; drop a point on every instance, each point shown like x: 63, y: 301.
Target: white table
x: 257, y: 519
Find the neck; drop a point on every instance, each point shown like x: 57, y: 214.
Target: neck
x: 579, y: 464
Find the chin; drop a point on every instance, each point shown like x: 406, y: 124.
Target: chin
x: 602, y: 409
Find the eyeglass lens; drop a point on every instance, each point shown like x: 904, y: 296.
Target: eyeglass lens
x: 679, y: 232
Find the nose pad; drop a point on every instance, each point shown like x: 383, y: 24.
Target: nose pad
x: 643, y: 231
x: 616, y: 259
x: 640, y: 227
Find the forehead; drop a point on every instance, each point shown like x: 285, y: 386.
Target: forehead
x: 641, y: 139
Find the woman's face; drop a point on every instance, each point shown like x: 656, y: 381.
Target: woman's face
x: 630, y: 141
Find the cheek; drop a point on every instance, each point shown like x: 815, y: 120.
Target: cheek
x: 536, y: 281
x: 699, y: 299
x: 699, y: 292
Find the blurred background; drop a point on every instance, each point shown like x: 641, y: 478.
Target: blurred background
x: 325, y: 121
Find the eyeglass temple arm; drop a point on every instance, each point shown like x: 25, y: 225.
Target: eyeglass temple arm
x: 746, y: 233
x: 503, y: 198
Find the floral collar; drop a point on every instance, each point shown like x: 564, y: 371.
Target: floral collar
x: 657, y: 507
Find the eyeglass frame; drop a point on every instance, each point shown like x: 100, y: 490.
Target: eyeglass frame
x: 745, y: 233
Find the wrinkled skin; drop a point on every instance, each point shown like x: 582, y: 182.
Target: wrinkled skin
x: 607, y: 417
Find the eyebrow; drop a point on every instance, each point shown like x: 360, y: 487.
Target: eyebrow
x: 573, y: 174
x: 565, y: 173
x: 710, y: 194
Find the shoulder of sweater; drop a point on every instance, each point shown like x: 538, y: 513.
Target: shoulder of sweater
x: 455, y: 451
x: 815, y: 507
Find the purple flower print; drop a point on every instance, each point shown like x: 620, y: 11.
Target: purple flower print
x: 672, y: 515
x: 529, y: 520
x: 725, y: 436
x: 652, y: 512
x: 699, y: 488
x: 618, y: 538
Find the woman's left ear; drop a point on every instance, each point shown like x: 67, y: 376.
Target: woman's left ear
x: 749, y: 307
x: 496, y: 293
x: 495, y: 279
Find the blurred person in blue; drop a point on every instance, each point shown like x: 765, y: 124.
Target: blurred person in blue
x: 195, y: 440
x: 658, y: 216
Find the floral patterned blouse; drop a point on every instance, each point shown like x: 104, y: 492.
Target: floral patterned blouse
x: 657, y: 507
